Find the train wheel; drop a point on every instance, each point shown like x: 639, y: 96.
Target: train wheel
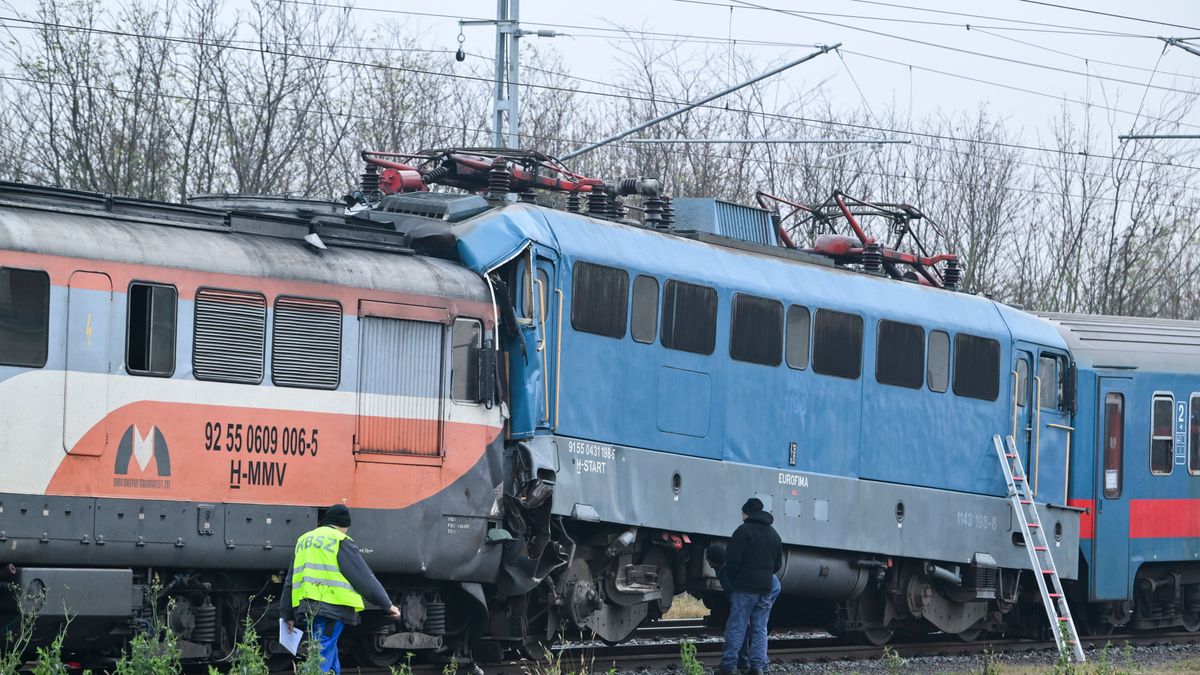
x: 1191, y: 622
x: 877, y: 636
x: 366, y: 653
x: 969, y: 635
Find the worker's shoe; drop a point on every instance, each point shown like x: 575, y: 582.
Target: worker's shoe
x: 724, y: 671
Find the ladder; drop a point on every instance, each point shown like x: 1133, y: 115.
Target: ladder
x: 1053, y: 598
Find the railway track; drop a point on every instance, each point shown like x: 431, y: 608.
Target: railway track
x: 593, y: 659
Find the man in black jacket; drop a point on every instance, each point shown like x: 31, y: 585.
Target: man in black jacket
x: 754, y: 555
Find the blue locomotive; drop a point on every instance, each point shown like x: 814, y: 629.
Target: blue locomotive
x: 550, y: 409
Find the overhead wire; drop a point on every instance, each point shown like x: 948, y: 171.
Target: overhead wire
x: 484, y: 132
x: 488, y: 80
x: 959, y: 50
x: 1109, y: 14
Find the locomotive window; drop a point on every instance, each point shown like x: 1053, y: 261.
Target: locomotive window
x: 24, y: 317
x: 756, y: 330
x: 1049, y: 382
x: 1114, y: 443
x: 306, y: 343
x: 467, y: 338
x: 1194, y: 436
x: 976, y: 367
x: 837, y: 344
x: 900, y: 354
x: 1022, y: 382
x: 150, y: 331
x: 689, y: 317
x: 938, y: 372
x: 797, y: 337
x: 230, y: 335
x: 1162, y: 441
x: 644, y: 325
x: 599, y: 299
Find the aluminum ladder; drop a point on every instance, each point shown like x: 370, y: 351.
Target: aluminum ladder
x: 1053, y: 598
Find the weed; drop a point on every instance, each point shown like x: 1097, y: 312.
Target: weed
x: 1127, y: 653
x: 248, y: 657
x: 16, y: 643
x: 153, y: 651
x: 49, y: 659
x: 990, y: 667
x: 310, y: 664
x: 688, y: 662
x: 404, y: 668
x: 452, y: 667
x: 894, y: 662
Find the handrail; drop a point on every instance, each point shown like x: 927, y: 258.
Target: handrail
x: 1037, y: 433
x: 541, y: 347
x: 558, y: 358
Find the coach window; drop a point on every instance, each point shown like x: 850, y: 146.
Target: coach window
x: 1050, y: 374
x: 644, y: 325
x: 1114, y: 443
x: 1162, y: 442
x: 24, y: 317
x: 756, y: 330
x: 837, y: 344
x: 1194, y: 435
x: 230, y: 335
x: 976, y: 367
x: 797, y: 337
x: 467, y: 340
x: 689, y: 317
x: 938, y: 371
x: 150, y: 330
x: 599, y: 299
x: 900, y: 354
x: 306, y: 343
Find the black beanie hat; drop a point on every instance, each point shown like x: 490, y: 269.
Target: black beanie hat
x: 752, y: 505
x: 339, y: 516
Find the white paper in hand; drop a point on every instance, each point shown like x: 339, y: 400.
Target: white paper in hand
x: 289, y: 637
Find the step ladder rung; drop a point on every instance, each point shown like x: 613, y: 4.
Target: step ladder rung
x: 1053, y: 600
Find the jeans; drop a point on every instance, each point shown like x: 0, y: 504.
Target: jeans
x: 327, y: 631
x: 747, y: 623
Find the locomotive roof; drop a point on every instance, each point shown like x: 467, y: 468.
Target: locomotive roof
x: 86, y: 225
x: 1124, y: 342
x: 495, y: 236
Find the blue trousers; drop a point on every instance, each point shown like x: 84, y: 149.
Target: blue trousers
x: 746, y: 628
x: 327, y: 632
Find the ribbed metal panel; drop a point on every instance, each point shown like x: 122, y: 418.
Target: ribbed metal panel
x: 400, y: 387
x: 306, y: 343
x: 736, y: 221
x: 745, y: 223
x: 230, y: 336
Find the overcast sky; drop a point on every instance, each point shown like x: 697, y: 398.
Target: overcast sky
x: 1011, y: 38
x: 594, y: 54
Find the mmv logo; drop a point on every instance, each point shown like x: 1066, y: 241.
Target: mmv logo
x: 142, y: 449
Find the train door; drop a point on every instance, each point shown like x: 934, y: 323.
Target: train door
x: 1110, y: 541
x: 533, y: 361
x: 1022, y: 430
x: 1052, y: 428
x: 88, y: 364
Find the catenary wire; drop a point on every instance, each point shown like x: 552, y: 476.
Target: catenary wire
x: 628, y: 146
x: 1109, y: 14
x: 490, y: 81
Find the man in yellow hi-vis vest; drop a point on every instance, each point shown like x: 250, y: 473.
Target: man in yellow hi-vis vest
x: 327, y: 585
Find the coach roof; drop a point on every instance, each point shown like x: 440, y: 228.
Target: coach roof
x: 157, y: 236
x: 1160, y: 345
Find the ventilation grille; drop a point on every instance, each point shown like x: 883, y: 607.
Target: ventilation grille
x: 230, y: 336
x: 306, y: 343
x: 400, y: 387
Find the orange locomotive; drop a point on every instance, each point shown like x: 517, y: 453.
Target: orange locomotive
x: 184, y: 386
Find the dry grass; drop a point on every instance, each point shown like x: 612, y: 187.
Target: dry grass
x: 686, y: 607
